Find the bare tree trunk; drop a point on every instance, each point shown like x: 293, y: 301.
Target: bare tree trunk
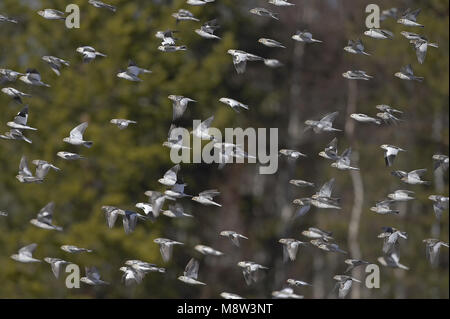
x: 358, y: 191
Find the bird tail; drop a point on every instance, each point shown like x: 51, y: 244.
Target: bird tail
x: 88, y: 144
x: 419, y: 78
x: 434, y: 45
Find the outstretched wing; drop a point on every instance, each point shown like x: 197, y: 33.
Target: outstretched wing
x: 191, y: 269
x: 77, y: 132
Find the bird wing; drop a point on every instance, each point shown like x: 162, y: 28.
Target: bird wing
x: 129, y: 221
x: 206, y: 123
x: 418, y: 172
x: 77, y: 132
x: 178, y: 109
x: 166, y: 251
x: 22, y: 117
x: 209, y: 194
x: 172, y: 173
x: 28, y: 250
x: 23, y: 167
x: 240, y: 63
x: 327, y: 188
x: 191, y: 269
x: 330, y: 117
x: 46, y: 213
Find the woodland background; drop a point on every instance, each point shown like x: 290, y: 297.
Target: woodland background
x: 122, y: 165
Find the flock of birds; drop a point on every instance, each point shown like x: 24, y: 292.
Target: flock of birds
x: 135, y: 270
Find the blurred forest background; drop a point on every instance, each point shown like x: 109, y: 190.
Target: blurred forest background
x: 122, y: 165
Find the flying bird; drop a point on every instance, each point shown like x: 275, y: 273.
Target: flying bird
x: 157, y: 200
x: 392, y: 260
x: 184, y: 15
x: 76, y: 136
x: 201, y: 130
x: 305, y: 37
x: 262, y: 12
x: 122, y: 123
x: 25, y: 175
x: 331, y: 151
x: 9, y: 75
x: 344, y: 284
x: 271, y: 43
x: 326, y: 246
x: 273, y: 63
x: 132, y: 72
x: 234, y: 236
x: 89, y: 53
x: 440, y: 203
x: 170, y: 177
x: 228, y: 295
x: 69, y: 156
x: 33, y: 77
x: 440, y: 162
x: 45, y: 217
x: 323, y: 125
x: 301, y: 183
x: 100, y: 4
x: 343, y: 162
x: 290, y: 248
x: 190, y: 273
x: 206, y: 250
x: 432, y: 249
x: 384, y: 207
x: 316, y: 233
x: 281, y: 3
x: 175, y: 138
x: 357, y: 75
x: 401, y: 195
x: 55, y: 63
x: 15, y: 94
x: 206, y: 197
x: 409, y: 18
x: 379, y: 34
x: 56, y: 264
x: 4, y: 18
x: 355, y: 47
x: 179, y: 103
x: 240, y: 59
x: 407, y: 73
x: 74, y: 249
x: 297, y: 283
x: 421, y: 45
x: 25, y: 254
x: 92, y: 277
x: 176, y: 211
x: 363, y: 118
x: 285, y: 293
x: 413, y: 177
x: 235, y: 105
x: 390, y: 153
x: 166, y: 247
x: 198, y: 2
x: 250, y: 270
x: 292, y: 154
x: 52, y: 14
x: 207, y: 30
